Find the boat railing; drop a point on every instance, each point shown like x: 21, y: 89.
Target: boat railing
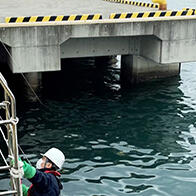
x: 8, y: 131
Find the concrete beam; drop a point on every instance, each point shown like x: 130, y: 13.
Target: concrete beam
x: 104, y: 46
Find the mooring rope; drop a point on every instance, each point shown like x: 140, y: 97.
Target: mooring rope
x: 36, y: 96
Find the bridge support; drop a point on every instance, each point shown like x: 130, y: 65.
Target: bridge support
x: 136, y: 69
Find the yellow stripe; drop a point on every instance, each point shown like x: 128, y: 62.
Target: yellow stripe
x: 189, y: 13
x: 19, y: 19
x: 146, y: 14
x: 168, y: 13
x: 112, y: 16
x: 33, y: 19
x: 7, y: 19
x: 46, y: 19
x: 184, y: 9
x: 96, y: 16
x: 84, y: 17
x: 59, y: 18
x: 179, y: 13
x: 135, y: 14
x: 157, y: 14
x: 123, y: 15
x: 72, y: 17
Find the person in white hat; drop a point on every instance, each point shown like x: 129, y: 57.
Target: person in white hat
x: 45, y: 177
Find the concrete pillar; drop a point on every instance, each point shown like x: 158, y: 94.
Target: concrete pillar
x: 136, y: 69
x: 33, y: 85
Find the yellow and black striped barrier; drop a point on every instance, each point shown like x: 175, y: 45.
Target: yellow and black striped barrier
x: 23, y: 19
x: 152, y: 14
x: 135, y: 3
x: 186, y: 9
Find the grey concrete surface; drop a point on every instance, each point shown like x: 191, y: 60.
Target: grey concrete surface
x: 63, y: 7
x: 40, y: 47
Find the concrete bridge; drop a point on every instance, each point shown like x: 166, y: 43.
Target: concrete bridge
x: 151, y: 47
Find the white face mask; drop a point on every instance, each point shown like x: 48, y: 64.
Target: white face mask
x: 38, y: 164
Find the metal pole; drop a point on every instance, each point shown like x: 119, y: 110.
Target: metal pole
x: 13, y: 141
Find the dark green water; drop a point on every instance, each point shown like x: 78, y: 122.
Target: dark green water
x: 138, y: 142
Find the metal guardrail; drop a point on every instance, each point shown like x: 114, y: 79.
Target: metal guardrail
x: 10, y: 124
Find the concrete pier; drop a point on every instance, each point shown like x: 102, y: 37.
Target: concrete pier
x: 152, y: 47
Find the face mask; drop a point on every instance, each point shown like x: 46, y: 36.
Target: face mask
x: 38, y: 164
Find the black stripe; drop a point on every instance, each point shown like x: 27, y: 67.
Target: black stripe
x: 140, y: 15
x: 78, y: 17
x: 184, y: 13
x: 129, y: 15
x: 193, y: 13
x: 140, y: 3
x: 26, y: 19
x: 151, y: 5
x: 65, y: 18
x: 39, y: 18
x: 144, y: 4
x: 117, y: 16
x: 148, y: 4
x: 156, y: 6
x: 52, y: 18
x: 163, y: 14
x: 136, y: 3
x: 90, y: 17
x: 151, y: 14
x: 13, y: 19
x: 174, y: 13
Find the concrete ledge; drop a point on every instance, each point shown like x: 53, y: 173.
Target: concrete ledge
x: 152, y: 14
x: 103, y: 21
x: 22, y: 19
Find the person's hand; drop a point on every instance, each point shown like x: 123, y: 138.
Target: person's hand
x: 17, y: 173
